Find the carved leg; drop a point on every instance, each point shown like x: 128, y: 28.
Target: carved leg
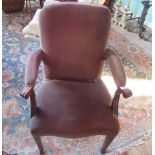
x: 39, y: 144
x: 107, y: 142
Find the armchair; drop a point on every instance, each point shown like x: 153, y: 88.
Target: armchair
x: 72, y: 100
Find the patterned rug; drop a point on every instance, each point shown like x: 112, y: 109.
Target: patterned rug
x: 134, y: 113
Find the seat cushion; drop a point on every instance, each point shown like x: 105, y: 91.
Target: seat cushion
x: 73, y: 109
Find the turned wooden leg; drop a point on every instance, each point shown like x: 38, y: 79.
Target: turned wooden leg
x: 39, y: 144
x: 107, y: 142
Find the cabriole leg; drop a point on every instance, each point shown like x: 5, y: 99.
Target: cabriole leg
x: 39, y: 144
x: 106, y: 143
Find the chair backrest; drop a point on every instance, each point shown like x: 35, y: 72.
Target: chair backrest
x: 73, y: 38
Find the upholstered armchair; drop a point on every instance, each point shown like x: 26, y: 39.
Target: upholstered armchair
x: 72, y: 100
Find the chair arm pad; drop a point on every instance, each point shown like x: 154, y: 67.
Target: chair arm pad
x: 32, y: 67
x: 116, y: 66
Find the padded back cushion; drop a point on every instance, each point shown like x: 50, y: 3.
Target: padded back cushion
x: 73, y: 38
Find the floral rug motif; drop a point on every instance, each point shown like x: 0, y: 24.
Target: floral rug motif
x: 134, y: 113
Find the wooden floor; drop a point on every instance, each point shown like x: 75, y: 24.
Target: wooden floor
x: 144, y: 149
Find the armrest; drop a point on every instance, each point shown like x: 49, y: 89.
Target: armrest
x: 31, y: 72
x: 116, y: 67
x: 119, y: 78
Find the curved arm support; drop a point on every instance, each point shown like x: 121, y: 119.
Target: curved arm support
x: 119, y: 78
x: 125, y: 93
x: 31, y: 72
x: 32, y: 67
x: 33, y: 103
x: 116, y: 67
x: 28, y: 91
